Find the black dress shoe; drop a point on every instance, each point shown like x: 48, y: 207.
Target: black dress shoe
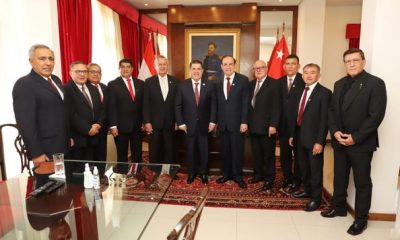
x: 223, y: 179
x: 255, y: 180
x: 294, y: 188
x: 267, y: 185
x: 190, y: 179
x: 204, y: 178
x: 286, y: 182
x: 312, y: 206
x: 301, y: 194
x: 357, y: 228
x: 331, y: 213
x: 241, y: 183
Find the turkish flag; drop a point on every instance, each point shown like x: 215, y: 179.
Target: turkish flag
x: 147, y: 68
x: 277, y: 59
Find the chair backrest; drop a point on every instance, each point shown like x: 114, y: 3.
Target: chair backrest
x: 190, y: 221
x: 19, y: 147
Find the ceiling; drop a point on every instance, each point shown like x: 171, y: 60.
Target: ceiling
x: 156, y: 4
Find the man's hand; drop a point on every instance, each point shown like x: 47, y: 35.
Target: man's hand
x: 114, y: 132
x: 271, y: 131
x: 317, y: 149
x: 71, y: 142
x: 347, y: 140
x: 40, y: 159
x: 148, y: 128
x: 94, y: 129
x: 243, y: 127
x: 211, y: 127
x: 291, y: 141
x: 183, y: 128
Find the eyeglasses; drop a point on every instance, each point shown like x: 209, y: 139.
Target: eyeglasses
x: 94, y: 72
x: 259, y: 68
x: 352, y: 61
x: 81, y: 71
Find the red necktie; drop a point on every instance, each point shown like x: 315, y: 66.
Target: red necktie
x: 100, y: 92
x: 196, y: 93
x: 228, y: 86
x: 51, y: 83
x: 131, y: 89
x: 302, y: 106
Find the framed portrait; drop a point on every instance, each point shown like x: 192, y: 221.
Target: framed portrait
x: 208, y: 46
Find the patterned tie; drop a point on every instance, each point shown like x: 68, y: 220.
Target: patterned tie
x: 100, y: 92
x: 290, y: 84
x: 253, y: 101
x: 86, y: 96
x: 196, y: 93
x: 302, y: 106
x: 228, y: 86
x: 131, y: 89
x: 51, y: 84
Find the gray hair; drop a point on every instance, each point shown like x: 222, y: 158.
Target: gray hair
x: 92, y: 65
x: 37, y: 46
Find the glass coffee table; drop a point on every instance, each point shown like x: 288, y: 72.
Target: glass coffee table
x: 121, y: 209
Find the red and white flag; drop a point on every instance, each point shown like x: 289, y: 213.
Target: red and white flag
x: 277, y: 59
x: 147, y: 68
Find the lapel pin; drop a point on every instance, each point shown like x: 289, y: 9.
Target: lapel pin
x: 233, y: 84
x: 204, y: 84
x: 361, y: 85
x: 309, y: 99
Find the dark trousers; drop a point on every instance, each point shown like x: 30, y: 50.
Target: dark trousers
x: 360, y: 162
x: 197, y: 148
x: 233, y: 147
x: 100, y: 151
x: 288, y: 158
x: 123, y: 141
x: 263, y: 148
x: 161, y: 146
x: 311, y: 168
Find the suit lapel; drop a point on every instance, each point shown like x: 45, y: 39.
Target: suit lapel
x: 47, y: 85
x: 313, y: 95
x: 353, y: 93
x: 79, y: 93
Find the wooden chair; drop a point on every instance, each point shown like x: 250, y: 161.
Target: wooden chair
x: 190, y: 221
x: 20, y: 148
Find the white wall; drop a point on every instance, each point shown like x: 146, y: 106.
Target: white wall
x: 22, y: 24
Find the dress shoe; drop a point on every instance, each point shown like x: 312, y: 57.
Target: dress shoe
x: 294, y: 188
x: 312, y: 206
x: 357, y: 228
x: 223, y: 179
x: 241, y: 184
x: 255, y: 180
x: 331, y: 213
x: 204, y: 178
x: 301, y: 194
x: 286, y: 182
x: 190, y: 179
x: 175, y: 177
x: 267, y: 185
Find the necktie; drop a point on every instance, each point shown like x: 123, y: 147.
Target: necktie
x: 100, y: 92
x: 86, y: 96
x: 164, y: 87
x: 253, y: 100
x: 228, y: 86
x: 131, y: 89
x: 290, y: 84
x: 302, y: 106
x: 196, y: 93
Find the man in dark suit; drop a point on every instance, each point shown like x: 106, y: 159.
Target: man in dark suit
x: 233, y: 101
x: 195, y: 110
x: 158, y: 109
x: 264, y: 114
x: 357, y: 109
x: 308, y: 129
x: 100, y: 151
x: 86, y: 112
x: 39, y: 108
x: 291, y: 86
x: 125, y: 112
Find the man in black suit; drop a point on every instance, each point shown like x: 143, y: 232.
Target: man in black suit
x: 39, y: 108
x: 86, y: 112
x: 158, y: 109
x: 357, y: 108
x: 100, y: 151
x: 264, y: 114
x: 195, y: 110
x: 125, y: 95
x: 308, y: 129
x: 233, y: 101
x: 291, y: 86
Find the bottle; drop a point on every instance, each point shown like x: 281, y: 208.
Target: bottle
x: 96, y: 178
x: 87, y: 177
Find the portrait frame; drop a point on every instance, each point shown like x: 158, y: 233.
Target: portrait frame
x: 226, y: 39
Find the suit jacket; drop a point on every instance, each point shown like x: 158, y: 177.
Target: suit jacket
x: 155, y: 110
x: 267, y: 110
x: 41, y: 115
x: 81, y: 114
x: 288, y: 101
x: 122, y: 111
x: 196, y: 118
x: 361, y: 113
x: 315, y: 117
x: 233, y: 111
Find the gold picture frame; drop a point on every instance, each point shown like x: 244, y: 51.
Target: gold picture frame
x: 196, y: 44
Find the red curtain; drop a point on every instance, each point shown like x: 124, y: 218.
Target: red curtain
x: 353, y: 34
x: 75, y: 26
x: 130, y: 41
